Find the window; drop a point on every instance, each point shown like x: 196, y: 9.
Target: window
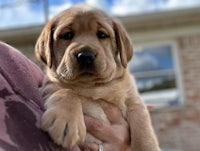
x: 155, y: 68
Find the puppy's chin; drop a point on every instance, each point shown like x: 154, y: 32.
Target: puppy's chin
x: 72, y: 76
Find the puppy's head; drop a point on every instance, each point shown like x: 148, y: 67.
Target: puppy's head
x: 82, y: 43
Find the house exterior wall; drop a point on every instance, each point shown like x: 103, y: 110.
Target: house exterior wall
x: 179, y: 127
x: 189, y: 50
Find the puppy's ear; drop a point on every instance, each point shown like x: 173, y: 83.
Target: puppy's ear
x: 44, y: 45
x: 124, y: 44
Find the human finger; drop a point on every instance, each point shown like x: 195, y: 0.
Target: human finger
x: 149, y: 106
x: 112, y: 112
x: 75, y: 148
x: 89, y: 147
x: 99, y: 129
x: 95, y: 147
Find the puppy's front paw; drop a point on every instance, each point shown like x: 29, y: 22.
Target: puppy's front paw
x: 64, y: 128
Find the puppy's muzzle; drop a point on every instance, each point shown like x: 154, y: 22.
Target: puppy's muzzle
x: 86, y: 59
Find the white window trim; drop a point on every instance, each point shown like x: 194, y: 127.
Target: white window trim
x: 177, y: 68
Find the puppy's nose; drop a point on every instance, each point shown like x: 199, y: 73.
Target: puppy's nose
x: 86, y: 58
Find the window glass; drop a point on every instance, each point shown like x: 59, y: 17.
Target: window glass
x: 154, y: 70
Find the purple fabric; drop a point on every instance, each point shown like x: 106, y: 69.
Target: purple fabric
x: 21, y: 106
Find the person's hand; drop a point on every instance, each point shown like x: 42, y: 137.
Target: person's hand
x: 115, y: 137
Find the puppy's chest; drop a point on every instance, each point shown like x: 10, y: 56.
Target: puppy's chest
x: 112, y: 94
x: 92, y: 97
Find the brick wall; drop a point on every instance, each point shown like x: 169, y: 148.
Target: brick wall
x: 179, y: 127
x: 189, y: 48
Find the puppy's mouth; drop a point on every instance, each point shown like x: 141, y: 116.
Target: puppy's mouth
x: 84, y: 65
x: 74, y: 73
x: 87, y: 73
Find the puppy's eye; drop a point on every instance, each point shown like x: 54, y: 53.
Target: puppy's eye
x: 101, y: 35
x: 67, y: 36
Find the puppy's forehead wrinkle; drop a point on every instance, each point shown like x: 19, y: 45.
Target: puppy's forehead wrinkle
x: 85, y: 8
x: 82, y: 12
x: 61, y: 27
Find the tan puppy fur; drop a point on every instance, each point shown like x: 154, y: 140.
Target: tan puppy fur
x: 72, y: 89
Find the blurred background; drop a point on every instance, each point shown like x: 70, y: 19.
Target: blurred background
x: 166, y: 63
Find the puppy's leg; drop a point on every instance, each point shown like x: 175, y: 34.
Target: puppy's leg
x: 142, y: 134
x: 63, y: 119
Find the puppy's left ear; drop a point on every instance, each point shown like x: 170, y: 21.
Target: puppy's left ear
x: 44, y: 45
x: 124, y: 44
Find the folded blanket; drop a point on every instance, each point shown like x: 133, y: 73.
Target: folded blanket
x: 21, y: 106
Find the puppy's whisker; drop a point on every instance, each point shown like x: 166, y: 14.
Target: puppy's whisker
x: 69, y: 75
x: 66, y: 74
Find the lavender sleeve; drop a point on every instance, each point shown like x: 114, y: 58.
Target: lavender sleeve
x: 21, y: 106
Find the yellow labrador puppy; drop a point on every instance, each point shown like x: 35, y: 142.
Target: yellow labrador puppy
x: 86, y: 54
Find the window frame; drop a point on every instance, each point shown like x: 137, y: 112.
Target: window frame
x: 177, y: 71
